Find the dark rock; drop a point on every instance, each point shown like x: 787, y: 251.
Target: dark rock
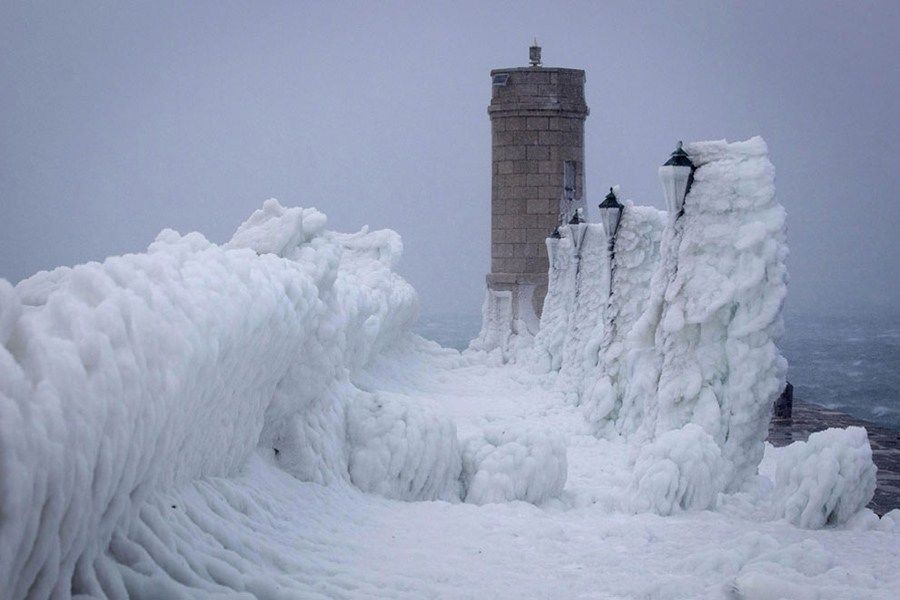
x: 785, y: 403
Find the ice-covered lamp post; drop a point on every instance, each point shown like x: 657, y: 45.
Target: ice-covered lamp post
x: 611, y: 215
x: 676, y: 176
x: 578, y: 228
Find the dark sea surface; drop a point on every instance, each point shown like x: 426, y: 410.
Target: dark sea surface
x: 846, y: 362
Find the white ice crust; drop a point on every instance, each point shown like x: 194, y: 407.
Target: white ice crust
x: 147, y: 371
x: 253, y: 419
x: 680, y: 470
x: 825, y: 480
x: 715, y: 306
x: 505, y: 463
x: 612, y: 390
x: 403, y: 450
x: 689, y: 333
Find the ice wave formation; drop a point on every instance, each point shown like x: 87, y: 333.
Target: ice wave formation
x: 255, y: 419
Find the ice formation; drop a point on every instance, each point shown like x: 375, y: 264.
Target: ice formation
x: 250, y: 420
x: 825, y: 480
x: 403, y: 450
x: 547, y: 349
x: 504, y: 463
x: 589, y: 306
x: 508, y: 325
x: 148, y: 371
x: 688, y: 334
x: 720, y: 312
x: 636, y: 259
x: 681, y: 470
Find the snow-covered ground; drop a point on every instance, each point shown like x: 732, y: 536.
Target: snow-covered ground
x: 264, y: 532
x: 256, y: 420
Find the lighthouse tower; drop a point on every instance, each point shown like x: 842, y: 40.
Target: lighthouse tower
x: 537, y: 130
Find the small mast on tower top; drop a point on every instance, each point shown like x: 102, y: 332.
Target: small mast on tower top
x: 534, y: 54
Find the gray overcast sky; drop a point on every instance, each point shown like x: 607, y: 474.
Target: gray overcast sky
x: 118, y: 121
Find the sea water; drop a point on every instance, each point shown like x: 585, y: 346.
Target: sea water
x: 848, y: 362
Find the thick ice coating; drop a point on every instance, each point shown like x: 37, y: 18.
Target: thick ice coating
x: 826, y: 479
x: 681, y: 470
x: 403, y: 450
x: 124, y: 378
x: 604, y: 397
x: 721, y: 313
x: 506, y: 463
x: 250, y: 420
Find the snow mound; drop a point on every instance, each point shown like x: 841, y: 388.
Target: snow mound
x: 274, y: 229
x: 147, y: 372
x: 403, y: 450
x: 825, y: 480
x: 681, y: 470
x: 508, y: 463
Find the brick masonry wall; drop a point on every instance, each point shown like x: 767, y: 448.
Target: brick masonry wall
x: 537, y: 123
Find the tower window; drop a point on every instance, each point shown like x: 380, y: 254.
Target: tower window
x: 500, y: 79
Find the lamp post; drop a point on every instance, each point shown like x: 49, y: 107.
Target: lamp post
x: 611, y: 215
x: 676, y: 176
x: 578, y: 228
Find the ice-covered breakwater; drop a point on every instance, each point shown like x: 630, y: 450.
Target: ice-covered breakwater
x: 141, y: 375
x: 203, y: 420
x: 671, y: 339
x: 147, y: 371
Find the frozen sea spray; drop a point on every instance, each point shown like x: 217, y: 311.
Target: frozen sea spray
x: 514, y: 462
x: 681, y: 470
x: 402, y: 450
x: 124, y: 379
x: 826, y: 479
x: 716, y: 306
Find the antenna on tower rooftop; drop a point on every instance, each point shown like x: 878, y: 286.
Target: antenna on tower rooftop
x: 534, y: 54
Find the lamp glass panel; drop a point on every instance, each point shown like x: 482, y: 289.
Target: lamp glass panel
x: 610, y: 218
x: 674, y: 181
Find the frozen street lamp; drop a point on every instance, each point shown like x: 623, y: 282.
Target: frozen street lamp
x: 577, y: 217
x: 676, y: 177
x: 610, y: 215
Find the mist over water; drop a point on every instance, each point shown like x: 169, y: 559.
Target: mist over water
x: 848, y: 362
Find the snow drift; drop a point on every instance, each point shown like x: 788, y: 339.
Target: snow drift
x: 681, y: 470
x: 505, y: 463
x: 125, y: 378
x: 826, y: 479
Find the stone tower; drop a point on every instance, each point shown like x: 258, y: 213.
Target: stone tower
x: 537, y: 129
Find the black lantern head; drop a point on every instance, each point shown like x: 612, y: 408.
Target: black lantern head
x: 576, y: 219
x: 611, y: 214
x: 679, y: 158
